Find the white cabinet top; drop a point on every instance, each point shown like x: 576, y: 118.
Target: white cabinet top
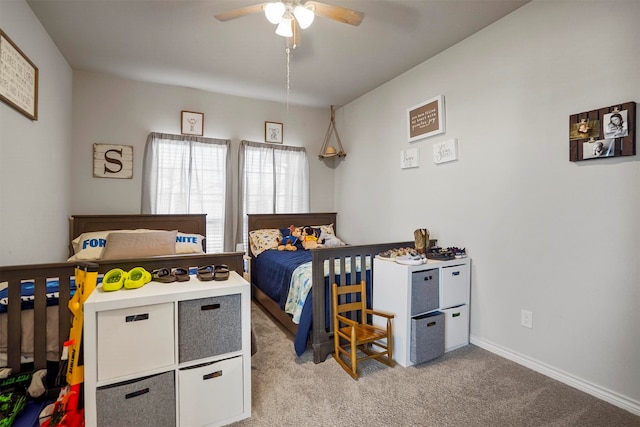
x: 156, y: 292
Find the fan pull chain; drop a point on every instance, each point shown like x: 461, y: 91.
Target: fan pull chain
x: 288, y: 80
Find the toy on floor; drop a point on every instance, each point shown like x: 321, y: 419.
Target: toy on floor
x: 16, y: 390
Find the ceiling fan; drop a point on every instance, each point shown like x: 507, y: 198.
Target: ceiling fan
x: 293, y: 15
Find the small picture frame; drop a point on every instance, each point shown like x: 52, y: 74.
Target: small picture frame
x: 192, y: 123
x: 273, y: 132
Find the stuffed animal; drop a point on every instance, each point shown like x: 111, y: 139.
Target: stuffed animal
x: 330, y: 240
x: 309, y: 237
x: 288, y: 243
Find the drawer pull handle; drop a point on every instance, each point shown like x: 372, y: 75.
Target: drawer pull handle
x: 430, y: 324
x: 455, y: 273
x: 137, y: 317
x: 215, y: 374
x: 455, y: 314
x: 136, y: 393
x: 210, y: 307
x: 427, y: 278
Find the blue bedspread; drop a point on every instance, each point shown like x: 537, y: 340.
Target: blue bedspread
x: 27, y: 292
x: 272, y: 271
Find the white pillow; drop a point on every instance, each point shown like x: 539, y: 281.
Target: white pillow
x: 89, y: 246
x: 189, y: 243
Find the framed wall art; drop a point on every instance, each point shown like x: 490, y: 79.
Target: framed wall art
x: 445, y: 151
x: 192, y: 123
x: 18, y: 79
x: 606, y: 132
x: 426, y: 119
x: 273, y: 132
x: 112, y: 161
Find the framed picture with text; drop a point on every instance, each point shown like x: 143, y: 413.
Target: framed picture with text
x: 192, y: 123
x: 273, y: 132
x: 426, y: 119
x: 18, y: 79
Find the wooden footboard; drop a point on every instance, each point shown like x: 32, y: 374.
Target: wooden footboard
x: 322, y: 338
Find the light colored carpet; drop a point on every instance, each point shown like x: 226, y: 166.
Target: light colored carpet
x: 466, y: 387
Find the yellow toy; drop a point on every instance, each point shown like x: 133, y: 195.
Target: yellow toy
x: 86, y: 280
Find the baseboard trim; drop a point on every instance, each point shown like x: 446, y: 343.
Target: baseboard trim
x: 564, y: 377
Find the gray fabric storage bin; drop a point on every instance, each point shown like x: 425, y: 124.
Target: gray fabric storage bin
x: 149, y: 401
x: 427, y: 337
x: 209, y: 327
x: 425, y: 291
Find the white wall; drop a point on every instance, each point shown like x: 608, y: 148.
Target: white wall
x: 112, y: 110
x: 35, y: 155
x: 560, y: 239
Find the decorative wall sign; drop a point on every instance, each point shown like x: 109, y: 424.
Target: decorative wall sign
x: 112, y: 161
x: 18, y: 79
x: 409, y: 158
x: 273, y: 132
x: 426, y: 119
x: 192, y: 123
x: 607, y: 132
x: 445, y: 151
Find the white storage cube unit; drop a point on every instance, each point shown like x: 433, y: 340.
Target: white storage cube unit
x: 135, y: 339
x: 133, y: 374
x: 456, y: 327
x: 412, y: 291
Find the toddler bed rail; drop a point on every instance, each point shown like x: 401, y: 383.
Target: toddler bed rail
x: 33, y: 328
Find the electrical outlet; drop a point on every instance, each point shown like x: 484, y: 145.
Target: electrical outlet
x: 526, y: 319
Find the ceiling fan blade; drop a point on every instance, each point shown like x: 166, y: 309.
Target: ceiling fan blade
x: 237, y: 13
x: 337, y: 13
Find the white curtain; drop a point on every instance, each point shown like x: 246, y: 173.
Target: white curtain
x: 273, y: 179
x: 185, y: 174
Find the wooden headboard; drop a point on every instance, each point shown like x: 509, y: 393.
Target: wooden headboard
x: 185, y: 223
x: 260, y: 221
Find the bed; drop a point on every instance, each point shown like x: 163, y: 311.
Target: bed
x: 340, y: 263
x: 34, y: 327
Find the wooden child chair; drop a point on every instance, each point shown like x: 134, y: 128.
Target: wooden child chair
x: 356, y: 330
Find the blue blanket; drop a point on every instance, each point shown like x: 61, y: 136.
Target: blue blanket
x: 28, y: 291
x: 272, y: 272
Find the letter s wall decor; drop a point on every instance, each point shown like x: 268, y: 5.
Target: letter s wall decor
x: 112, y: 161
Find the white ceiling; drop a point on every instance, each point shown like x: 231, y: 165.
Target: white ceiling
x: 179, y: 42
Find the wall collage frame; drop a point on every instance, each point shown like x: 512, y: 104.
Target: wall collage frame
x: 606, y: 132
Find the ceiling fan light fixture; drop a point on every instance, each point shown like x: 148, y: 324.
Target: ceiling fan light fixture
x: 304, y: 16
x: 284, y: 28
x: 274, y: 11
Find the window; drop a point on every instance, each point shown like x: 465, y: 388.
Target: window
x: 273, y: 179
x: 186, y: 174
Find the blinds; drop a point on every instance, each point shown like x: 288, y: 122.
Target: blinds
x: 184, y: 174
